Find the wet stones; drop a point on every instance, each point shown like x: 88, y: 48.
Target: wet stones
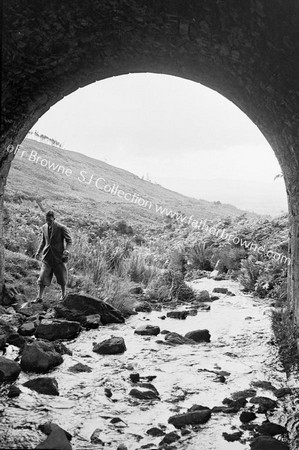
x: 220, y: 290
x: 16, y: 339
x: 263, y: 385
x: 181, y: 315
x: 6, y: 329
x: 57, y: 329
x: 145, y: 391
x: 282, y: 392
x: 48, y: 427
x: 265, y: 403
x: 245, y: 393
x: 247, y: 416
x: 146, y: 394
x: 177, y: 339
x: 203, y: 296
x: 235, y: 405
x: 147, y: 330
x: 190, y: 418
x: 122, y: 447
x: 134, y: 377
x: 2, y: 342
x: 87, y: 305
x: 203, y: 307
x: 40, y: 357
x: 191, y: 338
x: 78, y: 368
x: 27, y: 329
x: 57, y: 439
x: 9, y: 370
x: 198, y: 408
x: 92, y: 321
x: 112, y: 346
x: 199, y: 335
x: 272, y: 429
x: 170, y: 438
x: 13, y: 391
x: 44, y: 385
x: 232, y: 437
x: 155, y: 432
x: 268, y: 443
x: 95, y: 438
x: 143, y: 307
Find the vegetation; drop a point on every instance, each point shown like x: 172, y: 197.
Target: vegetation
x: 109, y: 258
x: 113, y: 258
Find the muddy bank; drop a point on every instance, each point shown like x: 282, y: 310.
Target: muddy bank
x: 241, y: 355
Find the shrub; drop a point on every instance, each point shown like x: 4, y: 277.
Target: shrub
x: 139, y: 270
x: 228, y: 258
x: 251, y: 268
x: 199, y: 256
x: 122, y: 227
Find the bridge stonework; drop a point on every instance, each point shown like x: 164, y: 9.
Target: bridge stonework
x: 247, y: 50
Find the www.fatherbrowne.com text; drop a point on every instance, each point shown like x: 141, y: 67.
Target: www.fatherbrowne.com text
x: 114, y: 189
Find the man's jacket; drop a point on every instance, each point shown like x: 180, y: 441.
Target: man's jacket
x: 54, y: 245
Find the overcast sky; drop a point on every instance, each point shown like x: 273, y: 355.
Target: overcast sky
x: 175, y: 131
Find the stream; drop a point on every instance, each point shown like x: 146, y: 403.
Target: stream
x: 241, y: 345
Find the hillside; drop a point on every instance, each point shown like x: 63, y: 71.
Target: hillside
x: 74, y: 184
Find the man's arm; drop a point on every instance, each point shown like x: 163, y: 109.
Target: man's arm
x: 67, y: 238
x: 41, y: 246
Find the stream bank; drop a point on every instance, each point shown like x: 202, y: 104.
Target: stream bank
x: 241, y: 355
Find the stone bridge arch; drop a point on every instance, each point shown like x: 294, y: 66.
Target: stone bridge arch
x: 247, y: 50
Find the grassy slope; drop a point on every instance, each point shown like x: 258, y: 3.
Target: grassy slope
x: 67, y: 195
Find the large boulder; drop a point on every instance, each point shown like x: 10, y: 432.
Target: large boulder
x: 9, y: 370
x: 40, y: 357
x: 272, y: 429
x: 57, y: 329
x: 147, y: 330
x: 268, y: 443
x: 199, y: 335
x: 87, y: 305
x: 190, y: 418
x: 44, y: 385
x: 57, y: 439
x: 48, y: 427
x: 112, y: 346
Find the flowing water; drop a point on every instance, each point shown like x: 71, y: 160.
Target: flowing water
x: 241, y: 344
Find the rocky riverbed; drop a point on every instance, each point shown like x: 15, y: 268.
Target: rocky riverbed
x: 156, y: 385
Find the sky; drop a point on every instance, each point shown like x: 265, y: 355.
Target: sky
x: 172, y: 131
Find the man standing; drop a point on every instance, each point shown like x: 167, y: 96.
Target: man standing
x: 55, y: 244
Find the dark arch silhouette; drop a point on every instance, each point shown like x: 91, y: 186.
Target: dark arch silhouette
x: 247, y: 50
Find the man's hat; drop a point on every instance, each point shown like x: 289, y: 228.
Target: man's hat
x: 50, y: 214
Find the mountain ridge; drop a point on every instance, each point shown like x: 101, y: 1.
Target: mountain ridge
x: 66, y: 180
